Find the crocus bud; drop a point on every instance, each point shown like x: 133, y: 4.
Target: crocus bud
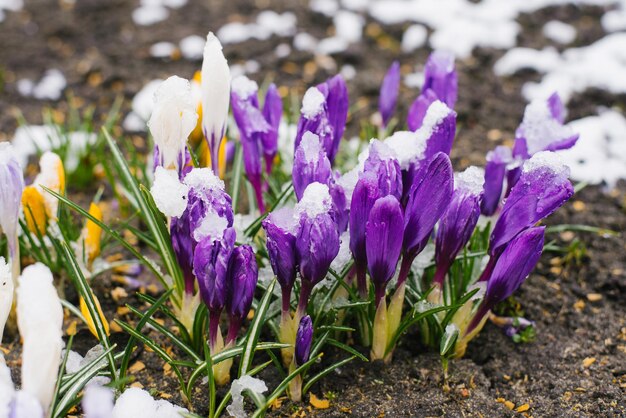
x: 304, y: 337
x: 337, y: 102
x: 541, y: 130
x: 173, y: 119
x: 457, y: 224
x: 314, y: 118
x: 252, y: 129
x: 439, y: 126
x: 518, y: 259
x: 243, y: 274
x: 35, y: 212
x: 92, y: 234
x: 6, y: 293
x: 495, y: 170
x: 389, y: 90
x: 441, y: 77
x: 215, y: 86
x: 317, y: 242
x: 428, y: 199
x: 543, y: 187
x: 40, y: 321
x: 383, y: 162
x: 366, y: 192
x: 310, y: 164
x: 341, y: 210
x: 418, y: 109
x: 383, y: 241
x: 272, y: 111
x: 210, y: 265
x: 281, y: 229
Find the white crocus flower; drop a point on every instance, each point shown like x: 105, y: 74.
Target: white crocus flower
x: 6, y: 293
x: 215, y: 85
x: 173, y: 119
x: 11, y: 187
x: 40, y: 321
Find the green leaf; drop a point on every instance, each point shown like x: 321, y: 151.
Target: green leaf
x: 326, y: 371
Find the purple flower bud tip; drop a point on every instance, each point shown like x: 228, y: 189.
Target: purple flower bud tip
x: 12, y: 181
x: 457, y: 224
x: 383, y: 241
x: 317, y: 242
x: 441, y: 77
x: 310, y: 164
x: 514, y: 264
x: 243, y: 274
x: 542, y: 188
x: 210, y: 265
x: 495, y: 171
x: 281, y: 229
x: 304, y: 337
x: 429, y: 197
x: 389, y: 91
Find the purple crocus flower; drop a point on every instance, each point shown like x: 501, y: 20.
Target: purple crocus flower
x: 366, y: 192
x: 543, y: 187
x: 253, y: 129
x: 242, y: 277
x: 340, y: 204
x: 304, y: 337
x: 11, y: 187
x: 458, y: 222
x: 440, y: 83
x: 210, y: 265
x: 518, y: 259
x: 428, y: 199
x: 184, y: 246
x: 281, y: 229
x: 335, y: 91
x: 439, y: 127
x: 317, y: 242
x: 310, y: 164
x: 441, y: 77
x: 383, y: 163
x: 389, y: 91
x: 272, y: 111
x: 417, y: 111
x: 324, y: 112
x: 495, y: 170
x: 383, y: 242
x: 542, y: 129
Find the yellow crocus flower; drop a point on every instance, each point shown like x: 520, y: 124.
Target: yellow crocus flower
x: 35, y: 212
x: 89, y: 319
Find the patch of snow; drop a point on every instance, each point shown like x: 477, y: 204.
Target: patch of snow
x: 348, y: 26
x: 245, y: 382
x: 347, y: 71
x: 142, y: 106
x: 192, y: 47
x: 243, y: 87
x: 10, y: 5
x: 203, y: 179
x: 315, y: 200
x: 304, y: 42
x: 282, y: 50
x: 547, y: 160
x: 311, y: 146
x: 286, y: 143
x: 539, y: 127
x: 599, y: 156
x: 312, y: 103
x: 414, y: 80
x: 559, y: 32
x: 138, y: 403
x: 414, y: 37
x: 615, y: 20
x: 344, y: 255
x: 268, y: 23
x: 332, y: 45
x: 517, y: 59
x: 471, y: 180
x: 162, y: 50
x: 50, y: 87
x: 150, y: 14
x: 170, y: 195
x: 325, y: 7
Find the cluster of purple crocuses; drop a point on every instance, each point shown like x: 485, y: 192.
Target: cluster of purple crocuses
x: 402, y: 194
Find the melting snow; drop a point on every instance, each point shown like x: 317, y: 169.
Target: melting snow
x: 599, y: 156
x: 245, y: 382
x: 414, y: 37
x: 50, y: 87
x: 162, y: 49
x: 10, y: 5
x: 315, y: 201
x: 472, y: 180
x: 312, y: 103
x: 268, y: 23
x: 559, y: 32
x: 170, y: 195
x: 192, y: 47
